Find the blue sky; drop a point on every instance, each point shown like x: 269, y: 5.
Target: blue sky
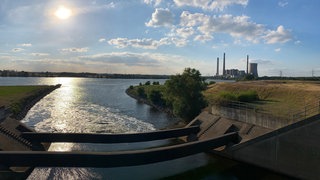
x: 160, y: 36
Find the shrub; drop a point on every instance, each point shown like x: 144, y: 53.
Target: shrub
x: 155, y: 97
x: 147, y: 83
x: 141, y: 92
x: 227, y: 96
x: 248, y: 96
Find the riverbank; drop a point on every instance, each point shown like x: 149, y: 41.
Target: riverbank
x: 16, y: 101
x: 180, y: 122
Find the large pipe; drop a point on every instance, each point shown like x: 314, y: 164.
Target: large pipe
x: 113, y: 159
x: 109, y: 138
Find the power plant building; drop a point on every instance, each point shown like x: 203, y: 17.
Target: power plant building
x: 253, y: 69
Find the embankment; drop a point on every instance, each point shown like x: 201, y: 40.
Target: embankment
x: 146, y: 101
x: 25, y: 104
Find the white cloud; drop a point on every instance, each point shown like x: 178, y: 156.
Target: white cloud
x: 138, y: 43
x: 185, y: 32
x: 297, y: 42
x: 161, y: 17
x: 203, y: 38
x: 281, y: 35
x: 211, y: 4
x: 283, y: 3
x: 277, y: 50
x: 17, y: 50
x: 144, y: 63
x: 94, y: 8
x: 75, y: 50
x: 236, y: 26
x: 239, y: 27
x: 189, y: 19
x: 102, y: 40
x: 25, y: 45
x: 153, y: 2
x: 39, y: 54
x: 179, y: 42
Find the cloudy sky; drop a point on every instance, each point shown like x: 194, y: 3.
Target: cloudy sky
x: 160, y: 36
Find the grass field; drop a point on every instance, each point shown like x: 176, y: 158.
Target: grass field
x: 276, y: 97
x: 13, y: 94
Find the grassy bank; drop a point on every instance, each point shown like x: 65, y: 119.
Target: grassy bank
x: 276, y: 97
x: 21, y: 98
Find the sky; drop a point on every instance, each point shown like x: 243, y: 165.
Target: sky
x: 160, y: 36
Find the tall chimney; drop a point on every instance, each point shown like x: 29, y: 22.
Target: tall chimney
x: 224, y: 64
x: 217, y: 74
x: 247, y: 64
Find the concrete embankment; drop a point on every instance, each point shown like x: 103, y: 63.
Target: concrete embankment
x: 292, y: 150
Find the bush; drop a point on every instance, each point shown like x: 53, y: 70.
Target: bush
x: 248, y: 96
x: 147, y: 83
x: 155, y: 97
x: 227, y: 96
x: 245, y: 96
x: 141, y: 92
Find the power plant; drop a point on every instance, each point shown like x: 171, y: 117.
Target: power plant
x: 251, y: 68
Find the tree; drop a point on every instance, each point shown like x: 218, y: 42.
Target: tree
x: 155, y: 97
x: 141, y: 92
x: 183, y: 93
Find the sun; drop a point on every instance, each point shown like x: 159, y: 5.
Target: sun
x: 63, y: 12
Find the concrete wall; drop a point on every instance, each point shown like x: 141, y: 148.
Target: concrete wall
x: 250, y: 116
x: 2, y: 113
x: 293, y: 150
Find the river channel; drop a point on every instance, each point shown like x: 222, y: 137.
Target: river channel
x: 101, y: 106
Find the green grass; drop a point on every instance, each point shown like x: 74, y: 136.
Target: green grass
x: 13, y: 94
x: 276, y: 97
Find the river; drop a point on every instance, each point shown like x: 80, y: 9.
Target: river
x: 101, y: 106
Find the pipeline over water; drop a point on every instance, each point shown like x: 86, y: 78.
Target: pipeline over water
x: 112, y: 159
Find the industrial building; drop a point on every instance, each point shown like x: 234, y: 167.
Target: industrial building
x: 252, y: 68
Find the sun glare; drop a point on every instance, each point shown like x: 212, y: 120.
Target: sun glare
x: 63, y: 12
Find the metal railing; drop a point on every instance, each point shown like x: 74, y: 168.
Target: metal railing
x: 255, y: 114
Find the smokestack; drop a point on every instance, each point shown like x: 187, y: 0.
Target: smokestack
x: 224, y: 64
x: 247, y: 64
x: 217, y: 74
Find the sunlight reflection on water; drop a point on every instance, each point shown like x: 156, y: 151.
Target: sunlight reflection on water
x: 99, y: 106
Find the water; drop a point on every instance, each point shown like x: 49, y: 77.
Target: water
x: 99, y: 106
